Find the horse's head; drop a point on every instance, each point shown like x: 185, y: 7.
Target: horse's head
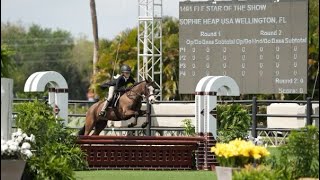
x: 149, y: 93
x: 144, y: 88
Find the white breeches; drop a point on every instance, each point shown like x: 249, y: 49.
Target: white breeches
x: 110, y: 93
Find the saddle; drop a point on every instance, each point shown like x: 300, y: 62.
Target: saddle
x: 114, y: 101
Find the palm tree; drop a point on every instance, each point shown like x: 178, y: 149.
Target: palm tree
x: 95, y: 34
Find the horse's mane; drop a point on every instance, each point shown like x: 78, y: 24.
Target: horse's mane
x: 135, y: 84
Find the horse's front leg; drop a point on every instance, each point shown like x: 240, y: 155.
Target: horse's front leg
x: 130, y: 113
x: 100, y: 125
x: 141, y: 113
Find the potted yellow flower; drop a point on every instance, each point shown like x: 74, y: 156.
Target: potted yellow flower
x: 236, y: 154
x: 14, y: 153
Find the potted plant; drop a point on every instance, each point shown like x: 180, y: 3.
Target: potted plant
x: 14, y: 153
x: 235, y: 155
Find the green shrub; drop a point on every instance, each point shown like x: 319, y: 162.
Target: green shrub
x: 300, y: 156
x: 56, y: 153
x: 302, y: 152
x: 189, y: 128
x: 258, y: 173
x: 233, y: 122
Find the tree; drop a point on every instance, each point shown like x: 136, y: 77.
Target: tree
x: 95, y: 34
x: 37, y: 49
x: 82, y: 61
x: 44, y: 49
x: 170, y: 59
x: 6, y: 61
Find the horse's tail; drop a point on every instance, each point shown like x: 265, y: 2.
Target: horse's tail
x: 81, y: 132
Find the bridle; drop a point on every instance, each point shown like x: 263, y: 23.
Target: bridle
x: 146, y: 95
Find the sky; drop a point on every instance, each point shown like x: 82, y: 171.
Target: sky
x: 74, y: 16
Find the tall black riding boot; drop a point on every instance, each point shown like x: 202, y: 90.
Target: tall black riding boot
x: 104, y: 108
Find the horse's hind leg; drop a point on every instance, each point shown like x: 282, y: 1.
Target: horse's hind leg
x: 100, y: 125
x: 81, y: 132
x: 88, y: 125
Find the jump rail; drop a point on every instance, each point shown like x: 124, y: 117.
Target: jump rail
x: 254, y: 111
x: 146, y: 152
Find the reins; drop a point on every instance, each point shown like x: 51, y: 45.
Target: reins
x: 128, y: 93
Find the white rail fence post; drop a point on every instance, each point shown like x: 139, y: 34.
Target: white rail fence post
x: 207, y: 90
x: 58, y: 90
x: 6, y: 107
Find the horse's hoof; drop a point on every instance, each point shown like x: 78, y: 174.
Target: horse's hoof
x: 145, y: 124
x: 130, y: 133
x: 130, y: 125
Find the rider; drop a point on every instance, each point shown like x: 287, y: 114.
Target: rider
x: 117, y: 85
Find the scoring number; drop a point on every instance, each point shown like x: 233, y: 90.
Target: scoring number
x: 296, y: 80
x: 301, y: 90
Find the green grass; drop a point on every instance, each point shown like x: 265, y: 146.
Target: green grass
x: 145, y: 175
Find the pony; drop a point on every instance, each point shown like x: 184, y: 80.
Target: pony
x: 129, y: 106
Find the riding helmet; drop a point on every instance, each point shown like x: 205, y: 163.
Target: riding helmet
x: 125, y: 68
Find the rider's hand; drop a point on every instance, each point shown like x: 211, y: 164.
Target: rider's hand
x: 104, y: 86
x: 127, y: 89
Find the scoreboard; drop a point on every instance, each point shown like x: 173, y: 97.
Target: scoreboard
x: 261, y: 44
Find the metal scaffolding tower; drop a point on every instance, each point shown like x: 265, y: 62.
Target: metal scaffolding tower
x: 150, y: 42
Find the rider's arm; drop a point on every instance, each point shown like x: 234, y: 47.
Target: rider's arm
x: 104, y: 85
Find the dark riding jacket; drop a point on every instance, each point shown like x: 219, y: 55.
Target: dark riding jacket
x: 119, y: 84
